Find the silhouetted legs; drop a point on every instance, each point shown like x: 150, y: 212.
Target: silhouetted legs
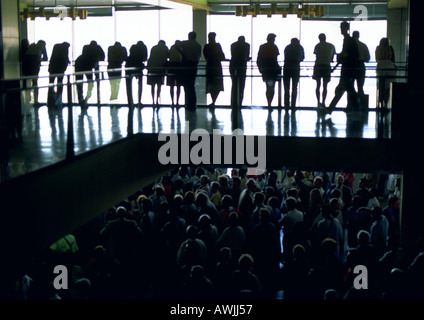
x: 158, y: 87
x: 237, y: 88
x: 325, y: 81
x: 54, y: 97
x: 294, y: 81
x: 270, y: 91
x: 189, y: 80
x: 175, y: 90
x: 346, y: 84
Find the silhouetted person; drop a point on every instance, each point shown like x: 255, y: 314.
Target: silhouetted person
x: 84, y: 65
x: 156, y: 65
x: 95, y: 54
x: 31, y: 63
x: 324, y: 53
x: 59, y: 61
x: 212, y: 51
x: 348, y: 58
x: 364, y: 56
x: 386, y: 70
x: 240, y: 51
x: 191, y: 50
x: 136, y: 59
x: 293, y: 55
x: 174, y: 72
x: 268, y: 65
x: 116, y: 55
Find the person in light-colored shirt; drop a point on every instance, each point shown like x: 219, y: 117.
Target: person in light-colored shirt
x: 324, y: 52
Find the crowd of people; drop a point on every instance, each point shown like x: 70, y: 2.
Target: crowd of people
x: 179, y: 64
x: 202, y: 233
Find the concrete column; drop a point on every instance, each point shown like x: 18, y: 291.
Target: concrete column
x: 10, y: 40
x: 397, y: 28
x: 200, y: 27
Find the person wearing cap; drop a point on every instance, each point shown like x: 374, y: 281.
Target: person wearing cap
x: 268, y: 65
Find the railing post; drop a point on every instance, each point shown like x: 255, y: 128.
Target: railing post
x: 70, y: 134
x: 279, y: 92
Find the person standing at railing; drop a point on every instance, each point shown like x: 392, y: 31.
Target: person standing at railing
x: 156, y: 66
x: 240, y: 54
x: 386, y: 70
x: 294, y: 54
x: 364, y: 56
x: 116, y: 55
x: 136, y: 59
x: 192, y: 51
x: 212, y: 51
x: 324, y: 53
x: 96, y: 54
x: 174, y: 72
x: 84, y: 65
x: 31, y: 63
x: 268, y: 66
x: 59, y: 62
x: 348, y: 58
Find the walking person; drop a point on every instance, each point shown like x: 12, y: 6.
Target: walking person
x: 348, y: 58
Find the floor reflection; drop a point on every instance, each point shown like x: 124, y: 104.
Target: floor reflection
x: 45, y: 131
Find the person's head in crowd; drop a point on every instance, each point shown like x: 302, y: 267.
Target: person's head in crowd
x: 189, y: 197
x: 236, y: 182
x: 223, y: 180
x: 340, y: 180
x: 274, y: 202
x: 258, y: 198
x: 327, y: 211
x: 214, y: 187
x: 318, y: 182
x: 291, y: 203
x: 245, y: 262
x: 251, y: 185
x: 204, y: 220
x: 191, y: 231
x: 226, y: 201
x: 204, y: 180
x: 293, y: 192
x: 233, y: 219
x: 315, y: 196
x: 201, y: 199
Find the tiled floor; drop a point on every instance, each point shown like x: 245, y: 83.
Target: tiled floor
x: 45, y: 133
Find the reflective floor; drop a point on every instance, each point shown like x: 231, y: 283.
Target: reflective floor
x: 44, y: 134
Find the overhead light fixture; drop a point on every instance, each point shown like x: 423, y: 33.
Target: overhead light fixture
x: 53, y: 12
x: 269, y: 10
